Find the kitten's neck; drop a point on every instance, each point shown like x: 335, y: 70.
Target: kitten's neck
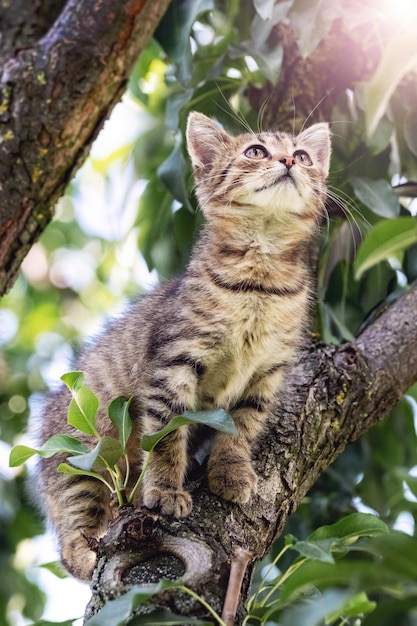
x: 259, y: 237
x: 269, y: 256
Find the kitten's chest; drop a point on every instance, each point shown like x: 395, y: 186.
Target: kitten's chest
x: 253, y: 328
x: 259, y: 333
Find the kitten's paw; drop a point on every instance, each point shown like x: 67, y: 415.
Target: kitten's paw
x: 168, y: 501
x: 77, y: 558
x: 236, y: 483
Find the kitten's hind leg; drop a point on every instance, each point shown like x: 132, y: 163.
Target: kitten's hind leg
x: 78, y: 509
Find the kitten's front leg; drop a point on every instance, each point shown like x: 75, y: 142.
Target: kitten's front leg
x: 172, y: 391
x: 230, y: 471
x: 164, y: 477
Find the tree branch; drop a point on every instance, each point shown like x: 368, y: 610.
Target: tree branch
x: 239, y: 563
x: 333, y: 396
x: 54, y: 98
x: 23, y: 22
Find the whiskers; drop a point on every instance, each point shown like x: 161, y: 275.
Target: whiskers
x: 313, y: 109
x: 339, y: 204
x: 235, y: 114
x: 261, y: 114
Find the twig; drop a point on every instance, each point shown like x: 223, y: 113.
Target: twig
x: 240, y: 561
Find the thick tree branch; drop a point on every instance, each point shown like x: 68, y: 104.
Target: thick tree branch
x: 55, y: 96
x: 333, y: 396
x: 23, y: 22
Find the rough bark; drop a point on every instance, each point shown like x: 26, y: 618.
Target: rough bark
x: 55, y: 93
x: 308, y: 88
x: 22, y: 23
x: 333, y: 396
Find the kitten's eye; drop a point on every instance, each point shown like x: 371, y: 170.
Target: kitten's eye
x: 301, y: 156
x: 256, y: 152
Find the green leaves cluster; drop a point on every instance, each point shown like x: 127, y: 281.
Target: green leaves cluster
x: 107, y: 453
x: 333, y: 574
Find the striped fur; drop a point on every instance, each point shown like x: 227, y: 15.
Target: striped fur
x: 221, y: 335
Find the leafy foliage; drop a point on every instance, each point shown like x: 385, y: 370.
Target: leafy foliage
x: 224, y: 57
x: 84, y: 461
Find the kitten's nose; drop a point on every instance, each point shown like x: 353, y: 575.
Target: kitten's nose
x: 288, y: 161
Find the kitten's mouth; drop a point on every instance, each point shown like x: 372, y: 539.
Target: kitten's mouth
x: 283, y: 179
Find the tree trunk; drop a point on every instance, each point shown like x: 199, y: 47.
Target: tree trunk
x: 55, y: 94
x: 333, y: 396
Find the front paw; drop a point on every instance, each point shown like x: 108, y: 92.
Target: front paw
x: 168, y: 501
x: 236, y: 482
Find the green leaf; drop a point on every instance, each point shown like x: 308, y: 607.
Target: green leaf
x: 82, y: 410
x: 410, y: 263
x: 398, y: 58
x: 375, y: 286
x: 352, y: 526
x: 73, y: 380
x: 270, y: 61
x: 399, y: 554
x: 107, y: 450
x: 84, y: 404
x: 330, y: 315
x: 69, y: 622
x: 411, y: 482
x: 119, y: 416
x: 149, y: 441
x: 20, y: 454
x: 320, y: 550
x: 389, y: 612
x: 312, y: 574
x: 55, y: 567
x: 290, y: 540
x: 116, y: 612
x: 410, y: 131
x: 62, y: 443
x: 174, y: 34
x: 173, y: 172
x: 264, y: 8
x: 319, y: 16
x: 358, y: 604
x: 218, y: 419
x: 64, y: 468
x: 377, y: 195
x: 384, y: 241
x: 110, y: 451
x: 314, y: 612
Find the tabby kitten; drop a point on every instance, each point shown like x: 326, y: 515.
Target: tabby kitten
x: 220, y: 335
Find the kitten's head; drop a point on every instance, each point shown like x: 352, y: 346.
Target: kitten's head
x: 264, y: 174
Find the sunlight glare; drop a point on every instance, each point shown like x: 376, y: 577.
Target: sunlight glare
x: 402, y: 11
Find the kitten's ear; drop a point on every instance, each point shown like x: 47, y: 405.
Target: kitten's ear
x: 206, y: 141
x: 317, y: 138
